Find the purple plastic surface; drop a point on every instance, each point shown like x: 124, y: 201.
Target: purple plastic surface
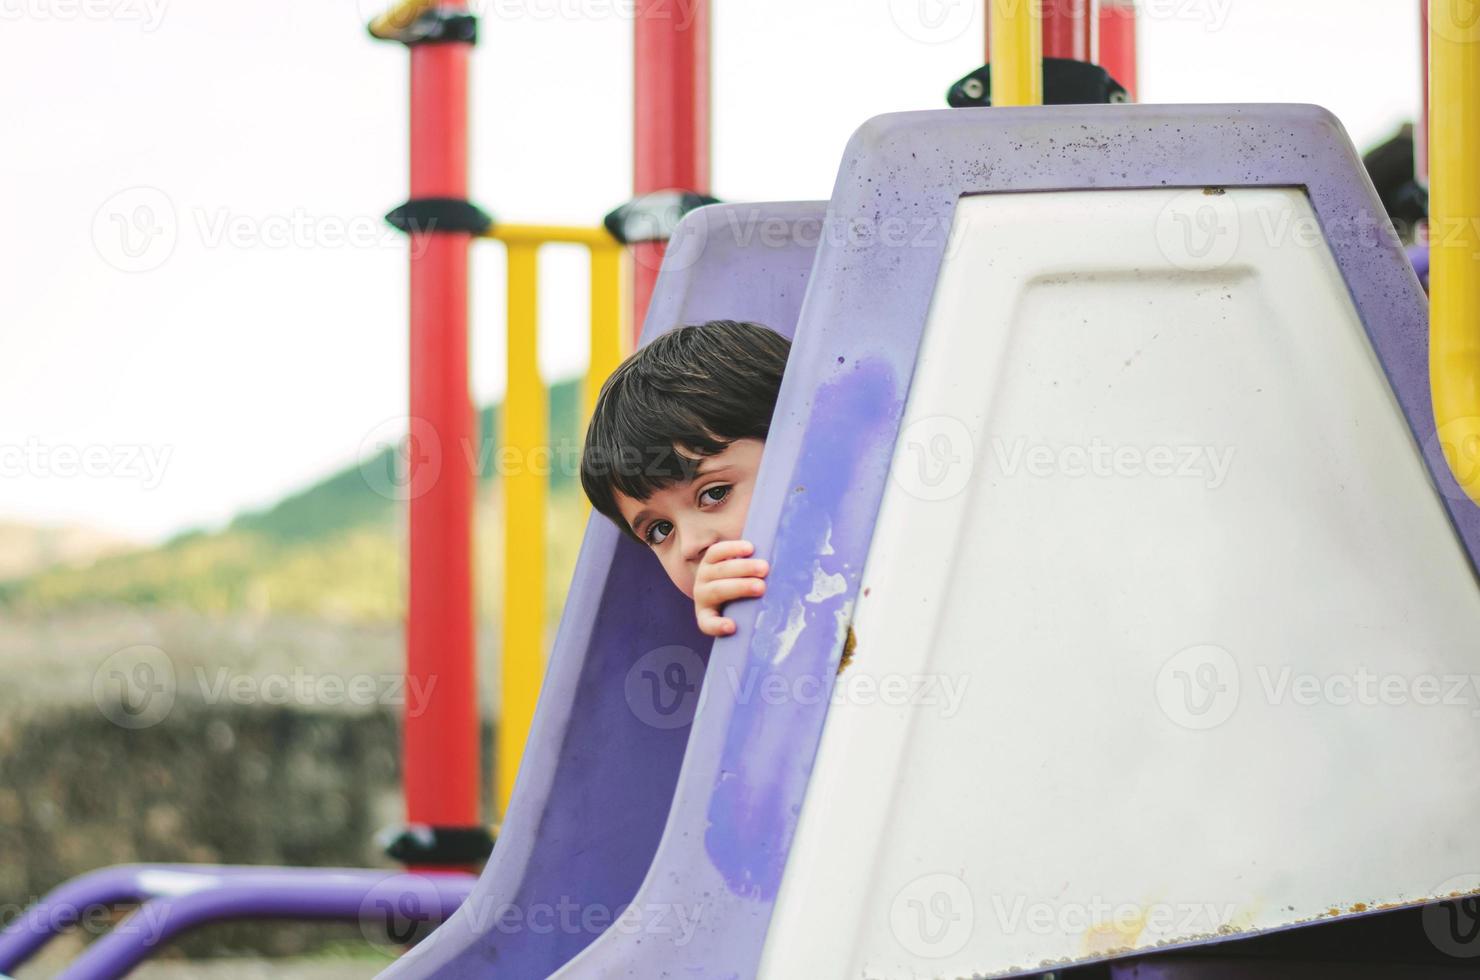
x: 179, y: 897
x: 744, y: 779
x: 1419, y: 256
x: 597, y: 778
x: 707, y: 899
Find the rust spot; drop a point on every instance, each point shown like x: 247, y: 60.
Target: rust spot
x: 1359, y: 907
x: 1214, y: 191
x: 848, y: 646
x: 867, y: 590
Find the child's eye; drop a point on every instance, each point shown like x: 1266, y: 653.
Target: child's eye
x: 715, y: 494
x: 658, y: 532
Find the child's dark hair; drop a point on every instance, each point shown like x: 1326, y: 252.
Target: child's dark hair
x: 687, y: 395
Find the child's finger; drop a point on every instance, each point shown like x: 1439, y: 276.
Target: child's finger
x: 722, y: 550
x: 711, y: 625
x: 712, y: 595
x: 734, y: 568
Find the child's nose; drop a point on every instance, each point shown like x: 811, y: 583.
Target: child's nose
x: 697, y: 541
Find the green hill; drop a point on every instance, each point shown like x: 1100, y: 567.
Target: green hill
x: 333, y: 549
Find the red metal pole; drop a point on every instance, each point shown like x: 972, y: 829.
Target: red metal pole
x: 670, y: 134
x: 1071, y: 29
x: 1118, y: 49
x: 440, y: 748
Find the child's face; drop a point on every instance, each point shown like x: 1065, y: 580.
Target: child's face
x: 680, y: 522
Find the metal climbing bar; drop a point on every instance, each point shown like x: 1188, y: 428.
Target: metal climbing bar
x: 1016, y: 40
x: 1454, y: 276
x: 524, y: 462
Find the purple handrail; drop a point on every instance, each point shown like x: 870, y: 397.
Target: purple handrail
x: 177, y: 897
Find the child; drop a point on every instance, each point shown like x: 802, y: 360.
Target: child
x: 672, y: 451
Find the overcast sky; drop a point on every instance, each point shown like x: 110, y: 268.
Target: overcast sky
x: 260, y: 339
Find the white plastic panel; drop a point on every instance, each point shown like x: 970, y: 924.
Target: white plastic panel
x: 1163, y: 634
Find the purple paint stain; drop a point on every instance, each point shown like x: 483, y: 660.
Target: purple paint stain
x: 765, y: 766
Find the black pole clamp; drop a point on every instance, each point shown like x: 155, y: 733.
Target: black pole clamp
x: 423, y: 844
x: 434, y: 26
x: 652, y: 217
x: 428, y: 215
x: 1065, y: 82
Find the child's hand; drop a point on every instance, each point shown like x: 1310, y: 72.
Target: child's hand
x: 725, y: 574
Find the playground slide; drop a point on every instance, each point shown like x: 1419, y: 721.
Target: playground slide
x: 613, y: 717
x: 1105, y: 436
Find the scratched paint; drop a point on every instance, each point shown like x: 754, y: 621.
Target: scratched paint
x: 754, y: 810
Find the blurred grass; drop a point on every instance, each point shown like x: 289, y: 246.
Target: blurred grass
x: 334, y: 550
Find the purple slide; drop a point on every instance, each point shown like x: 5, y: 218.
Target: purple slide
x: 641, y: 798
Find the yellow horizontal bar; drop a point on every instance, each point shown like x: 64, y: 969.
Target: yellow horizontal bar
x: 389, y: 24
x: 552, y: 234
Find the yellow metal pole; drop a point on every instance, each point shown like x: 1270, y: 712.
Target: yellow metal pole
x: 606, y: 321
x: 1017, y: 52
x: 524, y: 463
x: 1454, y: 232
